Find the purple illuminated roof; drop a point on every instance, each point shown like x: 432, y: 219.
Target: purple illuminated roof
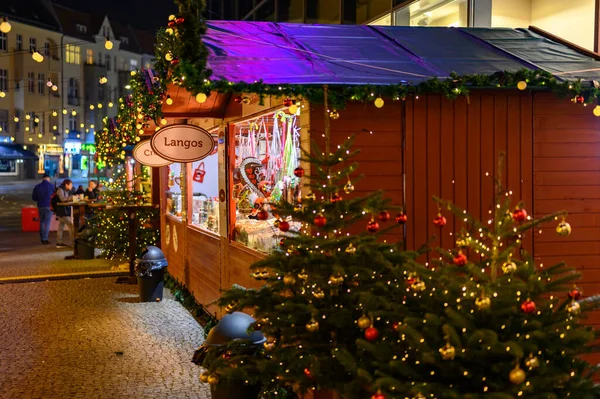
x: 282, y: 53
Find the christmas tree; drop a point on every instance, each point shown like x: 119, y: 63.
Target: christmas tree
x: 324, y: 288
x: 490, y: 323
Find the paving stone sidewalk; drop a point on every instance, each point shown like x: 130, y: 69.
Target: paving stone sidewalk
x: 91, y: 338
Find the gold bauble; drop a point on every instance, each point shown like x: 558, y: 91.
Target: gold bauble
x: 229, y: 308
x: 169, y: 57
x: 596, y: 110
x: 312, y: 326
x: 563, y: 229
x: 483, y: 303
x: 379, y: 102
x: 522, y: 85
x: 448, y: 352
x: 172, y: 17
x: 517, y: 376
x: 204, y: 377
x: 201, y: 98
x: 364, y: 322
x: 336, y: 279
x: 303, y: 275
x: 319, y: 294
x: 348, y: 188
x: 532, y: 362
x: 574, y: 308
x: 334, y: 115
x: 293, y: 109
x: 351, y: 249
x: 509, y: 267
x: 289, y: 279
x: 213, y: 379
x: 169, y: 31
x: 418, y: 286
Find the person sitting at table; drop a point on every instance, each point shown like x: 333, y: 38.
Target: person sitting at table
x: 80, y: 190
x: 92, y: 192
x: 63, y: 212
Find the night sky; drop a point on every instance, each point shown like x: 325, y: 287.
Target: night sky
x: 142, y: 14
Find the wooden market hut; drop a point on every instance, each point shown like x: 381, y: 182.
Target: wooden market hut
x: 420, y: 146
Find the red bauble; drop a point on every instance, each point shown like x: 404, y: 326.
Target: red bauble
x: 580, y: 99
x: 520, y: 215
x: 371, y: 334
x: 320, y: 220
x: 238, y: 100
x: 460, y: 259
x: 411, y: 280
x: 287, y: 102
x: 336, y: 197
x: 401, y: 218
x: 307, y: 373
x: 372, y: 226
x: 299, y: 171
x: 395, y: 325
x: 284, y: 226
x: 384, y: 216
x: 574, y: 294
x: 262, y: 215
x: 171, y: 24
x: 282, y: 242
x: 439, y: 221
x: 179, y: 20
x: 528, y: 306
x: 378, y: 395
x: 175, y: 61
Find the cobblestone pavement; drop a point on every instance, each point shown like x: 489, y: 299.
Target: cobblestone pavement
x: 22, y: 254
x: 91, y: 338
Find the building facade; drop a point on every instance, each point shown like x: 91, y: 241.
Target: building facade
x: 576, y: 22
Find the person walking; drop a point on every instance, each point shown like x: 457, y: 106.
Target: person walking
x: 64, y: 212
x: 42, y: 194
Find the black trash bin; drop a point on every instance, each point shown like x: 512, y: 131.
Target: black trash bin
x: 150, y: 272
x: 232, y: 327
x: 85, y: 249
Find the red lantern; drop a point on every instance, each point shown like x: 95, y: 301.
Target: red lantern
x: 299, y: 171
x: 320, y: 220
x: 371, y: 334
x: 401, y: 218
x: 284, y: 226
x: 336, y: 197
x: 372, y: 226
x: 460, y: 259
x: 520, y: 215
x: 439, y: 221
x: 384, y: 216
x: 263, y: 215
x: 288, y: 102
x: 528, y: 306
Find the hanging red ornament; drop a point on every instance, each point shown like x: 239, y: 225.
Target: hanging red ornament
x: 378, y: 395
x: 287, y: 102
x: 439, y: 220
x: 171, y: 24
x: 528, y: 306
x: 336, y: 197
x: 299, y: 171
x: 395, y: 325
x: 372, y: 226
x: 384, y: 216
x: 401, y: 218
x: 371, y: 334
x: 574, y: 294
x: 579, y: 99
x: 320, y: 220
x: 460, y: 259
x: 179, y: 20
x: 282, y: 242
x: 519, y: 215
x: 307, y: 373
x: 284, y: 226
x: 175, y: 61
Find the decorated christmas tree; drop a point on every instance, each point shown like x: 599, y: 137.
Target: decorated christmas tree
x: 324, y: 288
x: 491, y: 322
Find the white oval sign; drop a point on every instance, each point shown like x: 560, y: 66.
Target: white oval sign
x: 183, y: 143
x: 144, y: 154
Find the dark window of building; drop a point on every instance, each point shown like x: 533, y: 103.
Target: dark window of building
x: 19, y: 41
x: 292, y: 10
x: 243, y: 9
x: 266, y: 11
x: 323, y: 11
x: 3, y: 42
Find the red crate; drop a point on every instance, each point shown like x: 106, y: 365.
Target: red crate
x: 30, y: 220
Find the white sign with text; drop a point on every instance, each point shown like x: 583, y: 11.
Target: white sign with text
x: 183, y: 143
x: 144, y: 154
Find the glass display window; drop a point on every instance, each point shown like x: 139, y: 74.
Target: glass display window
x: 267, y: 151
x: 174, y: 196
x: 205, y: 192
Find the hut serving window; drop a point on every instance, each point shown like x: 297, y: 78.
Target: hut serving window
x: 205, y: 192
x: 174, y: 196
x: 267, y: 150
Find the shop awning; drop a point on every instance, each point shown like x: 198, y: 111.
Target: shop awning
x: 282, y: 53
x: 15, y: 151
